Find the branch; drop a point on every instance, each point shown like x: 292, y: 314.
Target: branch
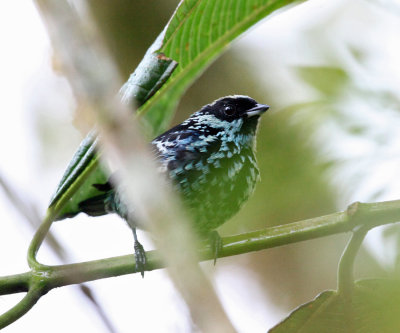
x: 21, y: 307
x: 29, y: 212
x: 359, y: 215
x: 346, y: 269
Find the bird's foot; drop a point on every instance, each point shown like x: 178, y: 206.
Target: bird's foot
x: 140, y: 254
x: 140, y: 258
x: 216, y: 244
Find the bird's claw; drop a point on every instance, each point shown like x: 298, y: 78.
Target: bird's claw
x: 140, y: 258
x: 216, y: 244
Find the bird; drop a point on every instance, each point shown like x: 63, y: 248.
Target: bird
x: 210, y: 161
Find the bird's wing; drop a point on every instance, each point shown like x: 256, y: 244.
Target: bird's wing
x: 179, y: 148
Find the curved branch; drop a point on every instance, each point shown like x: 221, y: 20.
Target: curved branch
x: 345, y: 269
x: 38, y: 240
x: 21, y: 308
x: 345, y: 274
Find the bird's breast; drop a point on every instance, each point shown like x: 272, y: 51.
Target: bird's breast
x: 214, y: 185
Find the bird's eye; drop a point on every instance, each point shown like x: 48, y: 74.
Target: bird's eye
x: 229, y: 110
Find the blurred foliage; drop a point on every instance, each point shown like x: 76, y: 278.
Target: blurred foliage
x: 374, y: 308
x: 130, y: 27
x: 329, y: 81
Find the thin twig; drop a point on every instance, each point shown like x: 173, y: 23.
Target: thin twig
x: 346, y: 264
x: 30, y: 213
x: 21, y: 308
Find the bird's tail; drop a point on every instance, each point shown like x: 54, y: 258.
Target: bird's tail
x: 99, y: 204
x: 95, y: 206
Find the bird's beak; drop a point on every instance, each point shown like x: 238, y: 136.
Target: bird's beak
x: 259, y: 109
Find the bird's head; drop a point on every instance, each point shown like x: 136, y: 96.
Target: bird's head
x: 230, y: 115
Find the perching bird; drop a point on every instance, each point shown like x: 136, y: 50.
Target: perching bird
x: 210, y: 160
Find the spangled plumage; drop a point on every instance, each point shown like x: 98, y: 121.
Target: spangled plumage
x: 209, y: 159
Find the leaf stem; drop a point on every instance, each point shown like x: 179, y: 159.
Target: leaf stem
x: 38, y: 240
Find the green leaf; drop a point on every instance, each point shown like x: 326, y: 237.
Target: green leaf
x: 84, y: 169
x: 78, y: 169
x: 197, y: 33
x: 152, y: 72
x: 374, y: 308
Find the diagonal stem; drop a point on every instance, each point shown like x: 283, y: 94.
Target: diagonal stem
x: 346, y: 267
x: 38, y: 239
x: 346, y: 264
x: 18, y: 310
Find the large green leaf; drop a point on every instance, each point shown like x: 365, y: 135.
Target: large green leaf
x: 84, y: 170
x: 197, y: 33
x: 374, y: 308
x: 81, y: 173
